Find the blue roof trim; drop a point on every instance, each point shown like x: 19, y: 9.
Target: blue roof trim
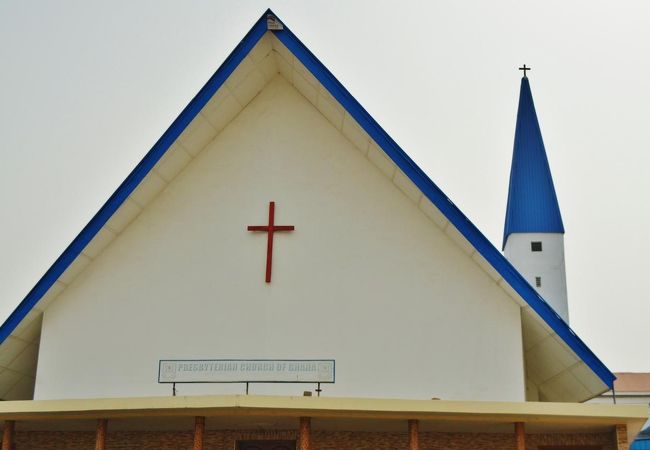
x: 444, y: 204
x: 134, y: 178
x: 532, y: 202
x: 390, y: 147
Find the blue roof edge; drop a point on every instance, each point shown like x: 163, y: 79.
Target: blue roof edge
x: 444, y: 204
x: 134, y: 178
x: 374, y: 130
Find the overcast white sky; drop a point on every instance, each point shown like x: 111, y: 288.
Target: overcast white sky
x: 86, y: 88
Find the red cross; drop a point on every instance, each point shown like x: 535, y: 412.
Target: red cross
x: 270, y: 229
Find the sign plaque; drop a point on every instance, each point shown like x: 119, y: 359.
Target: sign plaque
x: 246, y: 371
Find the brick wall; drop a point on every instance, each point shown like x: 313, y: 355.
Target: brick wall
x: 606, y: 440
x: 321, y: 440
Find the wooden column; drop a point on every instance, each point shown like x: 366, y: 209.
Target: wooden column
x: 520, y: 434
x: 414, y: 435
x: 304, y: 436
x: 621, y: 437
x: 8, y: 434
x: 199, y: 431
x: 100, y: 439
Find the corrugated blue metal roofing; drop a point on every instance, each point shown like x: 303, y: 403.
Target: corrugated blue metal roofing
x: 532, y: 203
x: 640, y: 445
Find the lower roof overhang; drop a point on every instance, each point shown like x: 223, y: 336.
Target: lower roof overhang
x: 349, y: 414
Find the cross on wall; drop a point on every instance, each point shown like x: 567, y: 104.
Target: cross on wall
x: 270, y: 229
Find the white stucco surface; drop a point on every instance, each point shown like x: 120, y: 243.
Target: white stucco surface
x: 366, y: 278
x: 547, y: 264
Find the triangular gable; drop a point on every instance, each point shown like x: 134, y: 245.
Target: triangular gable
x: 539, y: 319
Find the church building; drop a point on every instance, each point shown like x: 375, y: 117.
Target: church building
x: 277, y: 273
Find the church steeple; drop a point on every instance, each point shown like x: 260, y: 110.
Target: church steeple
x: 532, y: 202
x: 533, y: 235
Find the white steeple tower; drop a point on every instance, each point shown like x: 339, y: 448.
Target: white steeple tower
x: 533, y: 238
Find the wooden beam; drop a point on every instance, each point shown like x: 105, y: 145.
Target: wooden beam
x: 304, y: 436
x: 199, y: 432
x: 520, y: 434
x: 621, y: 437
x: 414, y: 435
x: 100, y: 437
x: 8, y: 434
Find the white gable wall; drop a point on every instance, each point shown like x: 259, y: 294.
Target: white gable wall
x: 366, y: 278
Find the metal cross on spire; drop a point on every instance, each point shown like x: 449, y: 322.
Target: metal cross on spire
x: 525, y: 69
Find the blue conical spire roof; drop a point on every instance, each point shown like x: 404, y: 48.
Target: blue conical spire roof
x: 532, y: 203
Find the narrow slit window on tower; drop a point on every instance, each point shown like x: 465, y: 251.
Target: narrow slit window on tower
x: 538, y: 281
x: 536, y: 246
